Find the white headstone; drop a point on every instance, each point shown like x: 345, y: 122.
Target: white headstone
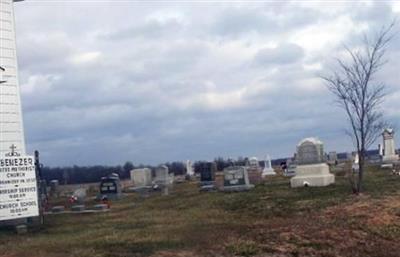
x: 268, y: 170
x: 380, y: 150
x: 355, y: 165
x: 189, y: 168
x: 11, y: 127
x: 141, y: 177
x: 80, y: 195
x: 389, y: 150
x: 253, y: 162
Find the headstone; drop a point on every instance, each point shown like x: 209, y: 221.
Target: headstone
x: 254, y: 171
x: 163, y: 180
x: 355, y: 166
x: 380, y: 149
x: 268, y: 170
x: 236, y: 179
x: 21, y: 229
x: 207, y: 176
x: 162, y: 175
x: 219, y: 180
x: 141, y: 178
x: 310, y: 151
x: 79, y: 195
x: 189, y: 168
x: 110, y: 187
x: 311, y: 169
x: 290, y: 170
x: 332, y: 158
x: 54, y: 188
x: 389, y: 152
x: 253, y: 162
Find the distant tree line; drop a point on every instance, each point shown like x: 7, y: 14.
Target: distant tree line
x: 89, y: 174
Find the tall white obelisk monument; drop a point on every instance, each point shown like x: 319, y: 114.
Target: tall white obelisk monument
x: 12, y: 140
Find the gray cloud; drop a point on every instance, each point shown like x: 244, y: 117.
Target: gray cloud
x: 109, y: 82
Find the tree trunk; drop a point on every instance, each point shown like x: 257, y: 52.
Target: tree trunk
x: 361, y: 162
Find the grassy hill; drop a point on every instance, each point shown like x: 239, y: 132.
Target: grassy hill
x: 270, y: 220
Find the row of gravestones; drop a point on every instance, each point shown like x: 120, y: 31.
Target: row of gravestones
x: 311, y: 170
x: 235, y: 178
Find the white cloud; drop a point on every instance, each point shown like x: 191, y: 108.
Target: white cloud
x: 86, y: 58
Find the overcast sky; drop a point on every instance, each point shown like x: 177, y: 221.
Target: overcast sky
x: 104, y: 82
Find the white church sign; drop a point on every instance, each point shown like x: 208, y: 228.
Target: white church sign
x: 18, y: 188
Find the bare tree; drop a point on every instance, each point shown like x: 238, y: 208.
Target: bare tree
x: 356, y: 91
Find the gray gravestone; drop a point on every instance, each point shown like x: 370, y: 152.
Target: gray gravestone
x: 54, y: 188
x: 163, y: 180
x: 236, y: 179
x: 162, y: 175
x: 310, y: 151
x: 332, y: 157
x: 21, y: 229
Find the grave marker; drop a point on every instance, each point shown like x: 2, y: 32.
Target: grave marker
x: 311, y: 169
x: 236, y: 179
x: 207, y: 176
x: 389, y: 150
x: 268, y: 170
x: 110, y: 187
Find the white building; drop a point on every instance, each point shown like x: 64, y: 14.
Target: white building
x: 12, y: 139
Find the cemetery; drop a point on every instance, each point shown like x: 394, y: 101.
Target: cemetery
x: 271, y: 218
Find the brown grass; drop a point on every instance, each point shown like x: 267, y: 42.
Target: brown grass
x: 271, y: 220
